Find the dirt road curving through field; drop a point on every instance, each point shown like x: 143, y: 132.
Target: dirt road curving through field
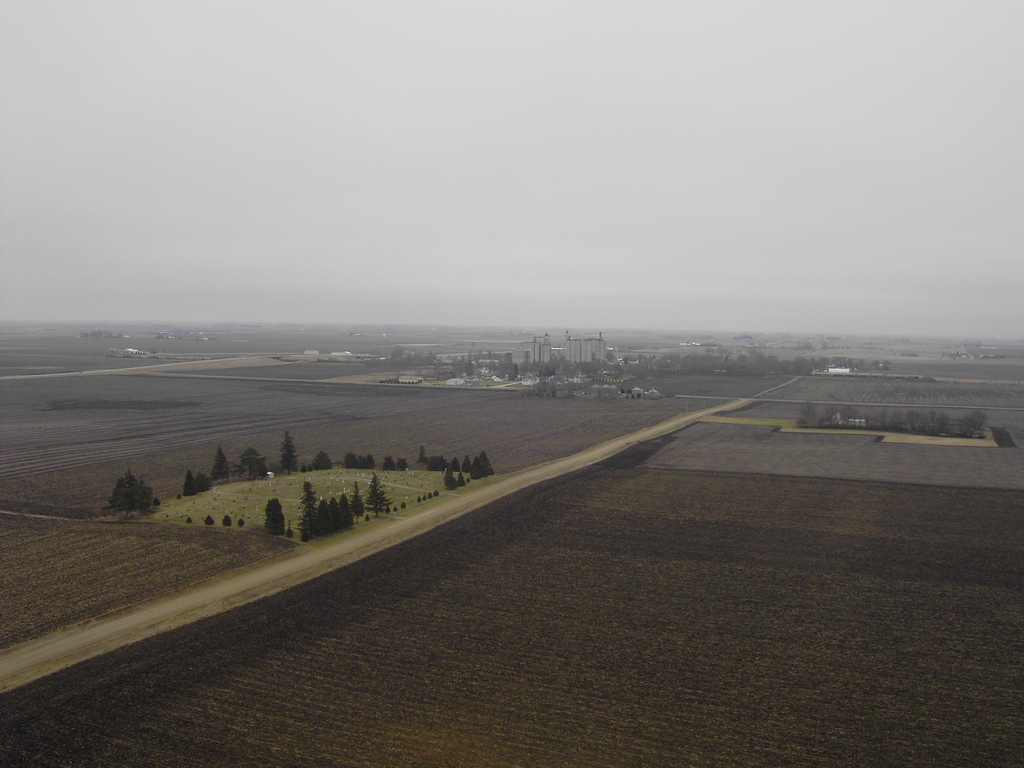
x: 30, y: 661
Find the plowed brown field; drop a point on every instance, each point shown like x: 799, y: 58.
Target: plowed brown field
x: 67, y: 440
x: 614, y: 617
x: 746, y: 448
x: 57, y: 572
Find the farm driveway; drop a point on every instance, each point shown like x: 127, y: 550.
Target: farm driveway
x: 22, y: 664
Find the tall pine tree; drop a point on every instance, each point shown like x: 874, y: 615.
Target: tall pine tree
x: 221, y: 468
x: 189, y: 486
x: 274, y: 522
x: 377, y: 500
x: 307, y: 519
x: 289, y: 458
x: 356, y: 503
x: 323, y: 524
x: 485, y: 465
x: 345, y: 516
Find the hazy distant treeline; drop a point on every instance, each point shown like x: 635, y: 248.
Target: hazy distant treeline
x: 930, y: 422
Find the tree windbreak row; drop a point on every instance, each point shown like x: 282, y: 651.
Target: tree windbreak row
x: 915, y: 422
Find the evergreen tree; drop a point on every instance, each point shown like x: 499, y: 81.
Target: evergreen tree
x: 460, y: 481
x: 323, y: 523
x: 322, y: 461
x: 346, y: 519
x: 455, y: 465
x: 221, y: 469
x: 351, y: 461
x: 289, y: 458
x: 388, y: 465
x: 377, y: 500
x: 467, y: 465
x: 209, y: 520
x: 189, y: 486
x: 475, y: 472
x: 274, y: 522
x: 203, y: 482
x: 356, y: 503
x: 449, y: 480
x: 130, y: 494
x: 226, y: 522
x: 401, y: 465
x: 485, y: 465
x: 422, y: 458
x: 251, y: 464
x: 307, y: 511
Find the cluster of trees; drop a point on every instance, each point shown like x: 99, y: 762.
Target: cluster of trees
x: 324, y: 516
x: 359, y: 461
x: 321, y: 461
x: 915, y: 422
x: 251, y: 464
x: 196, y: 483
x: 320, y: 516
x: 131, y: 494
x: 479, y: 466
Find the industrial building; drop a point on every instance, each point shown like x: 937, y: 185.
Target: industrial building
x: 575, y: 351
x: 585, y: 350
x: 540, y: 349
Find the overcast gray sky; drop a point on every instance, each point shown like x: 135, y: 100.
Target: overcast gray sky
x: 849, y: 167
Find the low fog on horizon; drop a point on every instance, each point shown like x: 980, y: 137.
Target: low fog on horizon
x: 786, y: 167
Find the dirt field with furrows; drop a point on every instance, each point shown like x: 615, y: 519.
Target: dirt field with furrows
x: 615, y: 617
x: 61, y: 423
x: 67, y: 440
x: 899, y: 392
x: 1009, y: 369
x: 746, y: 448
x: 303, y: 370
x: 57, y: 572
